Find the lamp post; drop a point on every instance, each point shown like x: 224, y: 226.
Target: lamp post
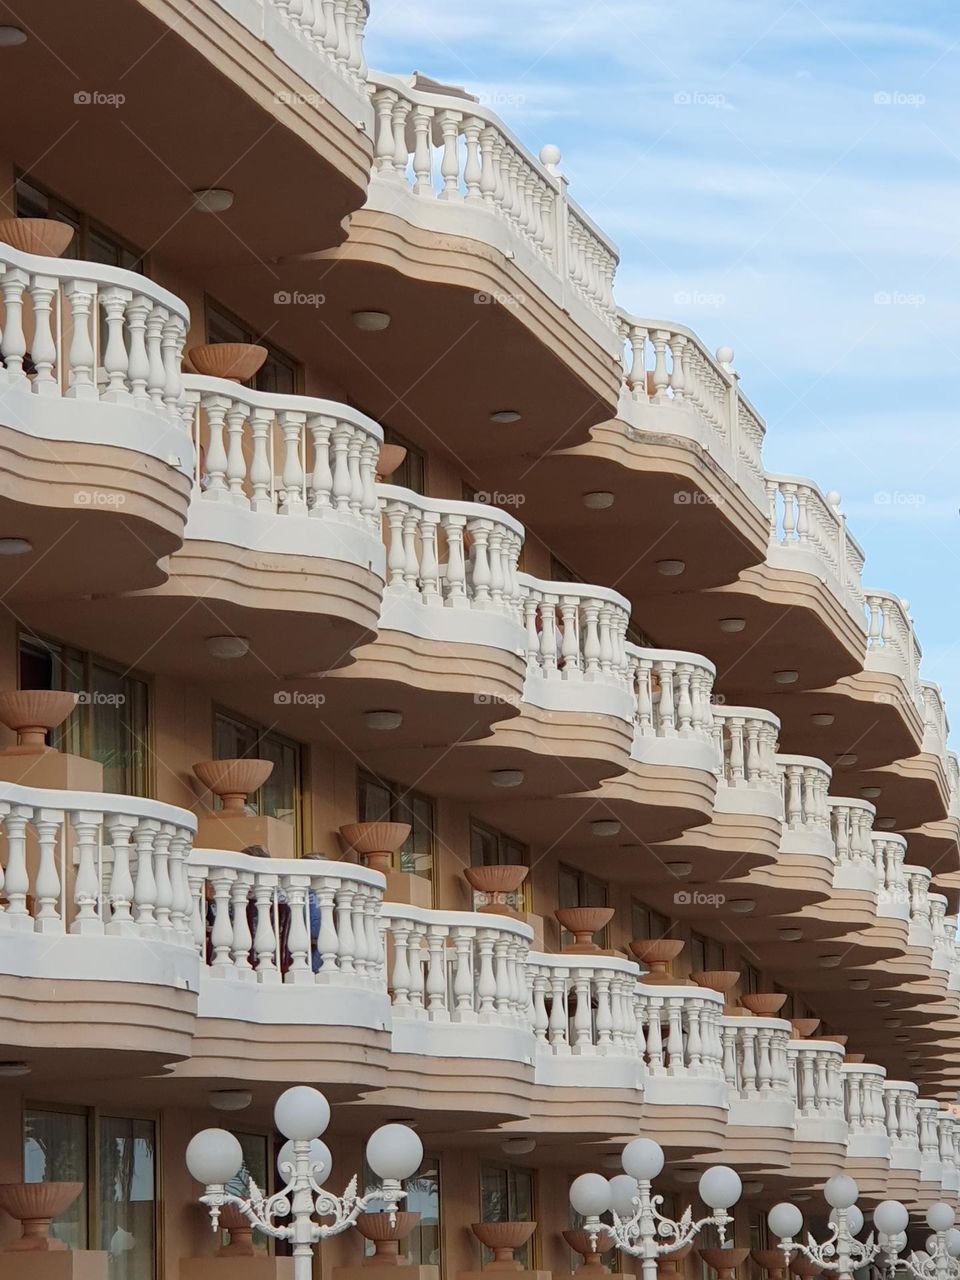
x: 940, y: 1259
x: 841, y: 1252
x: 639, y: 1228
x: 214, y: 1157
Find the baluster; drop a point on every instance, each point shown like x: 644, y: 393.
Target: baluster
x: 300, y: 972
x: 221, y: 934
x: 145, y: 886
x: 48, y: 824
x: 81, y: 358
x: 450, y: 162
x: 242, y: 941
x: 17, y: 879
x: 43, y: 348
x: 456, y: 580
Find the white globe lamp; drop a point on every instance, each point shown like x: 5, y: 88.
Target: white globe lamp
x: 394, y: 1152
x: 214, y: 1156
x: 643, y: 1159
x: 301, y: 1113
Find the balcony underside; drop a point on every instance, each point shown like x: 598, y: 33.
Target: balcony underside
x: 297, y: 165
x: 671, y: 499
x: 724, y: 849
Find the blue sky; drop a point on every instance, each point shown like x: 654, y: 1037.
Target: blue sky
x: 793, y: 168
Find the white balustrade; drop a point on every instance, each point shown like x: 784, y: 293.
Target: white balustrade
x: 746, y: 739
x: 332, y: 29
x: 93, y: 864
x: 584, y: 1005
x: 806, y: 805
x: 575, y: 632
x: 756, y: 1056
x: 292, y: 455
x: 892, y: 645
x: 931, y: 1167
x: 679, y: 1032
x: 852, y: 824
x: 863, y: 1103
x: 816, y: 1078
x: 283, y: 920
x: 457, y: 966
x: 936, y: 727
x: 442, y: 145
x: 902, y: 1121
x: 918, y: 890
x: 81, y: 331
x: 947, y: 1132
x: 673, y: 691
x: 667, y: 365
x: 943, y: 944
x: 809, y: 533
x: 893, y: 893
x: 458, y: 555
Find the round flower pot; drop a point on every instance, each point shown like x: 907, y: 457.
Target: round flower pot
x: 855, y: 1057
x: 234, y: 780
x: 803, y: 1268
x: 377, y: 842
x: 35, y: 1204
x: 583, y: 923
x: 772, y: 1261
x: 671, y: 1264
x: 241, y: 1234
x: 391, y: 456
x: 500, y: 879
x: 724, y: 1261
x: 502, y: 1238
x: 657, y: 954
x: 765, y: 1004
x: 579, y: 1242
x: 238, y: 361
x: 840, y: 1040
x: 45, y: 236
x: 386, y: 1238
x: 32, y: 712
x: 722, y: 980
x: 803, y: 1027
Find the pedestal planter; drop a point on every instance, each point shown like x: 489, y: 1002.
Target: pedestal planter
x: 772, y: 1261
x: 803, y: 1027
x: 803, y: 1268
x: 722, y: 980
x: 376, y: 842
x: 724, y: 1261
x: 503, y: 1238
x: 32, y: 713
x: 47, y: 236
x: 238, y: 361
x: 233, y: 780
x: 386, y: 1238
x: 241, y: 1234
x: 579, y: 1242
x: 391, y: 456
x: 35, y: 1205
x: 583, y: 923
x: 657, y: 954
x: 670, y: 1265
x: 765, y: 1004
x: 496, y: 889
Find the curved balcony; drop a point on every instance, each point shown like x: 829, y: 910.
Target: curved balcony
x: 758, y: 1072
x: 809, y: 535
x: 92, y: 445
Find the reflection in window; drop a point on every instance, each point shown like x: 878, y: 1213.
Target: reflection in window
x: 507, y: 1195
x: 255, y: 1169
x: 423, y: 1246
x: 126, y: 1200
x: 381, y: 801
x: 55, y: 1150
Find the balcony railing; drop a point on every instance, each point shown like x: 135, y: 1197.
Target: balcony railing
x: 892, y: 645
x: 902, y: 1123
x: 809, y: 534
x: 666, y: 366
x: 816, y: 1077
x: 864, y: 1109
x: 806, y: 806
x: 746, y: 740
x: 756, y: 1058
x: 851, y: 822
x: 673, y: 695
x: 451, y: 153
x: 893, y: 894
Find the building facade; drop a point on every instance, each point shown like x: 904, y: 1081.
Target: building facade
x: 490, y: 574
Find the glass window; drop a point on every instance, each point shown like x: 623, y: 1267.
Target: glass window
x: 645, y: 922
x: 507, y: 1195
x: 279, y: 373
x: 705, y: 953
x: 578, y: 889
x: 55, y: 1149
x: 412, y: 471
x: 91, y: 241
x: 749, y: 983
x: 256, y: 1169
x: 492, y: 848
x: 111, y: 723
x: 382, y: 801
x: 610, y: 1259
x: 279, y: 797
x: 423, y: 1246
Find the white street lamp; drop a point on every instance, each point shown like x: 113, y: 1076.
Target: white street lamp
x: 214, y: 1157
x: 941, y: 1258
x: 639, y: 1228
x: 841, y: 1252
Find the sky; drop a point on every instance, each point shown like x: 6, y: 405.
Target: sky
x: 783, y: 176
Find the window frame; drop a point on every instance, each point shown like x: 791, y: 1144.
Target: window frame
x: 85, y: 225
x: 406, y: 797
x: 262, y: 731
x: 502, y: 839
x: 489, y: 1166
x: 214, y: 310
x: 584, y: 878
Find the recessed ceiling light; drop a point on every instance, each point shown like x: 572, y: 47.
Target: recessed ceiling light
x: 15, y: 546
x: 871, y: 793
x: 605, y: 827
x: 15, y: 1068
x: 823, y: 717
x: 518, y: 1146
x: 732, y: 625
x: 227, y: 646
x: 371, y: 321
x: 671, y: 568
x: 790, y: 935
x: 786, y: 677
x: 229, y: 1099
x: 752, y: 1188
x: 505, y: 415
x: 599, y: 501
x: 212, y: 200
x: 860, y: 984
x: 830, y: 962
x: 383, y: 720
x: 883, y: 1004
x: 688, y: 1175
x: 885, y: 824
x: 11, y: 36
x: 507, y: 777
x: 680, y: 869
x: 847, y: 760
x: 902, y: 1039
x: 743, y: 906
x: 893, y: 1022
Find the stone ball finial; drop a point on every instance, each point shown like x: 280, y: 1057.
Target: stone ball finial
x: 550, y: 155
x: 833, y: 498
x: 725, y: 356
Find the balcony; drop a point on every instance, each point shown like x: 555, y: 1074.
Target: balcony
x: 95, y: 456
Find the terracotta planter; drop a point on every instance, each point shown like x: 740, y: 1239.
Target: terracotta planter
x: 671, y: 1264
x: 579, y: 1242
x: 238, y: 361
x: 724, y: 1261
x: 657, y: 954
x: 772, y: 1260
x: 855, y: 1057
x: 803, y: 1268
x: 499, y: 885
x: 32, y: 712
x: 503, y: 1238
x: 765, y: 1004
x: 803, y: 1027
x: 233, y: 780
x: 583, y: 923
x: 840, y: 1040
x: 391, y: 456
x: 377, y: 842
x: 722, y: 980
x: 35, y: 1204
x: 241, y: 1234
x: 386, y: 1238
x: 46, y: 236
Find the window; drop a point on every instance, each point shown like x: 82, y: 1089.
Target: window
x: 380, y: 801
x: 91, y: 241
x: 256, y: 1168
x: 749, y: 982
x: 507, y: 1194
x: 279, y: 373
x: 412, y: 471
x: 116, y: 1158
x: 111, y: 723
x: 705, y: 953
x: 578, y: 889
x: 611, y: 1259
x: 492, y: 848
x: 235, y: 738
x: 645, y: 922
x: 560, y: 572
x: 757, y: 1228
x: 424, y: 1244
